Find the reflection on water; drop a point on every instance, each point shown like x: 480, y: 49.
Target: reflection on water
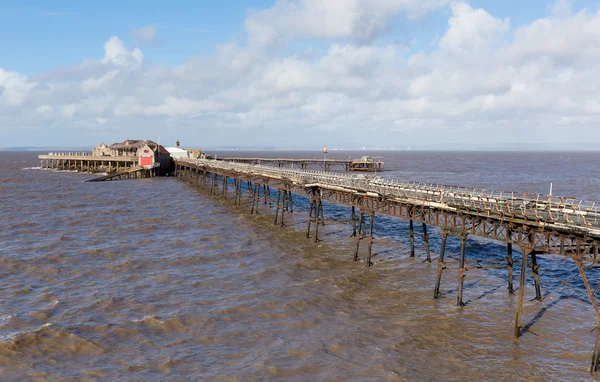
x: 153, y: 279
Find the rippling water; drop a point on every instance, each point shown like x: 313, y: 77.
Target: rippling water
x: 153, y: 279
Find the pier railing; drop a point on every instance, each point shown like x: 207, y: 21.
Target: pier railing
x: 528, y: 206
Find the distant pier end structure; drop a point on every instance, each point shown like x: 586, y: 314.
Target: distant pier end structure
x: 138, y: 158
x: 366, y: 163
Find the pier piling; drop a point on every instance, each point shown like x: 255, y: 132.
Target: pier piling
x: 441, y: 265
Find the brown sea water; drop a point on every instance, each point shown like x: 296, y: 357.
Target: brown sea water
x: 153, y: 279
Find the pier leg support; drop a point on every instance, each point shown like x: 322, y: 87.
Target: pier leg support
x: 255, y: 199
x: 318, y: 211
x: 283, y: 206
x: 596, y: 355
x: 535, y: 268
x: 277, y: 206
x: 359, y: 236
x: 371, y: 220
x: 441, y: 266
x: 509, y: 265
x: 411, y: 233
x: 310, y: 215
x: 461, y: 270
x: 426, y: 242
x: 526, y: 253
x: 353, y: 222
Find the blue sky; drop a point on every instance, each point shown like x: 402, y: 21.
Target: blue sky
x: 41, y: 35
x: 283, y: 65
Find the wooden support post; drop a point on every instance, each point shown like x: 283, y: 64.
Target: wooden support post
x: 509, y: 265
x: 426, y: 242
x: 461, y: 270
x: 291, y: 202
x: 371, y: 220
x: 536, y: 276
x: 441, y: 265
x: 526, y: 252
x: 411, y: 233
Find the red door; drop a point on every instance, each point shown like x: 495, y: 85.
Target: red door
x: 145, y: 161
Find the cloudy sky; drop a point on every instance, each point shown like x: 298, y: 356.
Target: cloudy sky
x: 301, y: 73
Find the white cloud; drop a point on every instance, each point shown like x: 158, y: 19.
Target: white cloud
x: 357, y: 20
x: 117, y: 53
x: 14, y: 88
x: 472, y: 29
x: 145, y: 34
x: 481, y: 81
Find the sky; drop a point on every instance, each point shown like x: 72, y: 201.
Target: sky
x: 301, y: 74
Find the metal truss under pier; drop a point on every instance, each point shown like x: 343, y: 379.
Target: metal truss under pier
x: 537, y: 224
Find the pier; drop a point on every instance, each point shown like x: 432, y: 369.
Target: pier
x: 536, y: 224
x: 85, y: 162
x: 367, y: 164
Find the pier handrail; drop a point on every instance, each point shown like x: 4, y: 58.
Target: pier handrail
x: 527, y: 206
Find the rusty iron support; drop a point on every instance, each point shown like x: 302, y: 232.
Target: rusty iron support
x: 509, y: 266
x: 214, y: 183
x: 283, y: 203
x: 224, y: 191
x: 353, y: 222
x: 266, y: 193
x: 310, y: 214
x: 411, y: 234
x: 291, y: 202
x: 461, y: 269
x: 318, y: 211
x: 526, y: 251
x: 277, y: 206
x: 250, y: 189
x: 370, y: 248
x: 596, y: 355
x: 359, y: 236
x: 321, y: 213
x: 535, y: 268
x: 441, y: 265
x: 426, y: 243
x: 255, y: 199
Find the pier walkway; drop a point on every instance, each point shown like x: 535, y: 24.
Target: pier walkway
x: 303, y: 163
x: 86, y: 162
x: 537, y: 224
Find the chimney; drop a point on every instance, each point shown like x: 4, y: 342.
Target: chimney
x: 178, y: 143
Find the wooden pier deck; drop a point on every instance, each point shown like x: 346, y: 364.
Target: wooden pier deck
x: 537, y: 224
x: 86, y: 162
x: 304, y: 163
